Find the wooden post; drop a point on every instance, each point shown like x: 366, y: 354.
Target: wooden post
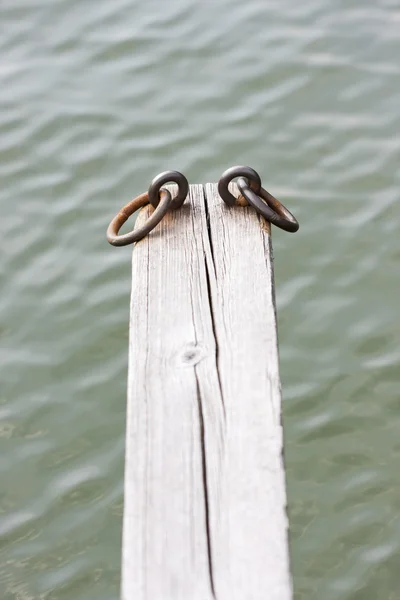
x: 205, y: 500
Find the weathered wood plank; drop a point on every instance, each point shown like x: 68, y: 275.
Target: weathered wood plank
x: 205, y: 502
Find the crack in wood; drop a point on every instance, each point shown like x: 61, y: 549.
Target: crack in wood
x: 209, y: 291
x: 205, y: 485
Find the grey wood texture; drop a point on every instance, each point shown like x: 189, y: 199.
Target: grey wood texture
x: 205, y: 500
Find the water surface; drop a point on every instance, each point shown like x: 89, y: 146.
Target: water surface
x: 98, y: 97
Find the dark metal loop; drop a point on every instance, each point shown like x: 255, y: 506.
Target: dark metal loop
x: 232, y: 173
x: 140, y: 232
x: 162, y: 179
x: 268, y: 206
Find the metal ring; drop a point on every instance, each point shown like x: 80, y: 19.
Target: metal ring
x: 162, y: 179
x: 137, y: 234
x: 271, y: 209
x: 230, y: 174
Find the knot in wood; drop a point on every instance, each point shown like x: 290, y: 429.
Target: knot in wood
x: 191, y: 354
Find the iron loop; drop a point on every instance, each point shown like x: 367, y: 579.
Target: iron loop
x: 162, y: 179
x: 268, y: 206
x: 140, y: 232
x: 247, y: 172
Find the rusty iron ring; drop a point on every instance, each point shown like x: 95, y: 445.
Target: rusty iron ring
x: 137, y: 234
x: 268, y: 206
x: 226, y: 177
x: 162, y: 179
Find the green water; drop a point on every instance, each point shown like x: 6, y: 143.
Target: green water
x: 98, y: 97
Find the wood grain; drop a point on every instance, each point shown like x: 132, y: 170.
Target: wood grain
x: 205, y: 501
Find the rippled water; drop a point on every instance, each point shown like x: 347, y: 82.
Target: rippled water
x: 98, y: 97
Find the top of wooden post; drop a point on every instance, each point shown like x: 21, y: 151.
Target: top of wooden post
x: 205, y: 500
